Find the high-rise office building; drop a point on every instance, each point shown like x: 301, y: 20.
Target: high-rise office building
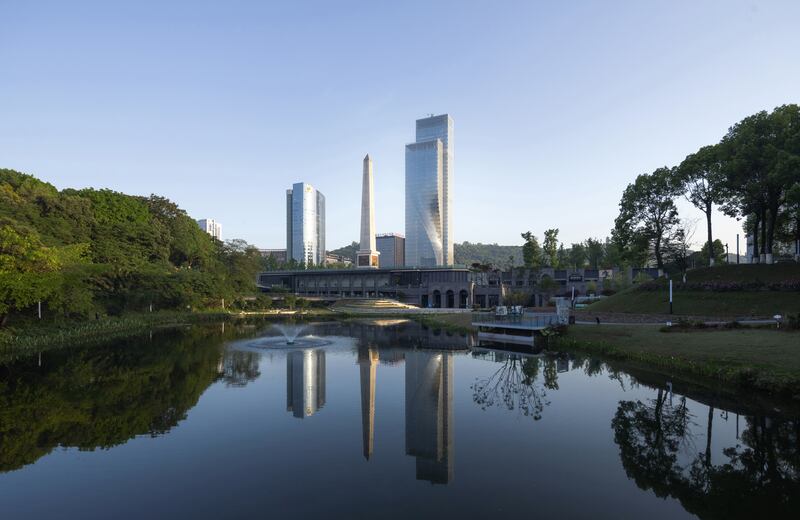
x: 305, y: 224
x: 429, y: 185
x: 211, y: 226
x: 392, y: 248
x: 305, y: 382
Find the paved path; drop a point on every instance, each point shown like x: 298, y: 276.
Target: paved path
x: 674, y: 320
x: 582, y: 316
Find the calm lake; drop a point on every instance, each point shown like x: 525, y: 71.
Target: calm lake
x: 377, y: 419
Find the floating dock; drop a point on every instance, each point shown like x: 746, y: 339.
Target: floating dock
x: 518, y: 329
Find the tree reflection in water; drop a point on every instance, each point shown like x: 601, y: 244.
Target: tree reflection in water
x: 760, y: 479
x: 514, y: 386
x: 102, y: 396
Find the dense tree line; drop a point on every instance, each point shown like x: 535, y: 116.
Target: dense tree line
x: 86, y: 253
x: 752, y: 174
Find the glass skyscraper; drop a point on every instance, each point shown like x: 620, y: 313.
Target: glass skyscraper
x: 305, y: 224
x: 429, y: 184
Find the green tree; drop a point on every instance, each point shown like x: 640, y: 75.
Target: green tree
x: 700, y: 178
x: 577, y: 255
x: 678, y: 249
x: 27, y: 271
x: 594, y: 252
x: 562, y: 257
x: 550, y: 248
x: 719, y: 252
x: 761, y: 162
x: 793, y: 211
x: 648, y: 212
x: 531, y: 251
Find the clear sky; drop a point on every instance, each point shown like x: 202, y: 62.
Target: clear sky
x: 220, y: 106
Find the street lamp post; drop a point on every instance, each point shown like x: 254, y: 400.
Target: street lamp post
x: 670, y: 296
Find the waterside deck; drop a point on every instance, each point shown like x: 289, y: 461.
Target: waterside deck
x: 519, y: 329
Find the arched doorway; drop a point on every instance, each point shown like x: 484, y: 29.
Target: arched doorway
x: 463, y: 298
x: 451, y: 299
x: 437, y: 299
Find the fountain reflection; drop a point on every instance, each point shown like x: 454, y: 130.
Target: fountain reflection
x: 305, y: 382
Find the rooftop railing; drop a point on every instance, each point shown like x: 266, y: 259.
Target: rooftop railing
x: 532, y: 320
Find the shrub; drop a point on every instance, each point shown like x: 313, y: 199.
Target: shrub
x: 792, y: 321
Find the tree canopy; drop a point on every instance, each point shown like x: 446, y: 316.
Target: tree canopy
x: 85, y: 252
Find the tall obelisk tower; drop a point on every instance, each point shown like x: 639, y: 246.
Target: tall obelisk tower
x: 367, y: 256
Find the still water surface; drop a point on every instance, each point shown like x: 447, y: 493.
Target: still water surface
x: 376, y: 419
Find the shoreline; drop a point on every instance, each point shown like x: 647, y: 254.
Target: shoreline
x: 733, y: 361
x: 51, y: 336
x: 749, y: 358
x: 741, y: 378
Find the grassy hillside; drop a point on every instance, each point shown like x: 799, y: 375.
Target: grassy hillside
x: 715, y: 292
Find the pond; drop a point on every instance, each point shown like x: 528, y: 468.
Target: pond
x: 377, y: 418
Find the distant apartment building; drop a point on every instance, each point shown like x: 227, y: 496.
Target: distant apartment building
x: 211, y: 226
x: 429, y: 185
x: 392, y: 249
x: 305, y: 224
x: 278, y: 254
x: 331, y: 258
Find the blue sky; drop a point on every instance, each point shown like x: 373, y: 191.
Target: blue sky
x: 220, y: 106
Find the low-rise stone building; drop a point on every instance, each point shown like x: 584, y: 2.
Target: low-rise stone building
x: 449, y: 287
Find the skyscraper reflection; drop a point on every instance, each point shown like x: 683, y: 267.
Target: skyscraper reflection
x: 429, y: 414
x: 368, y: 361
x: 305, y: 382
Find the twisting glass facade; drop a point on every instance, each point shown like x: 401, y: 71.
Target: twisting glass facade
x: 305, y: 224
x: 429, y: 226
x: 424, y: 204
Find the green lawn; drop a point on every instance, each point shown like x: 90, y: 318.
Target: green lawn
x: 702, y: 303
x: 743, y: 272
x: 760, y: 303
x: 768, y: 359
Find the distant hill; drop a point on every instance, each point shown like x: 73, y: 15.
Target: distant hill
x: 465, y: 253
x: 347, y: 251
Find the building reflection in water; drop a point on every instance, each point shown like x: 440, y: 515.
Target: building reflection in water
x: 367, y: 361
x: 305, y: 382
x: 238, y: 368
x: 429, y: 414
